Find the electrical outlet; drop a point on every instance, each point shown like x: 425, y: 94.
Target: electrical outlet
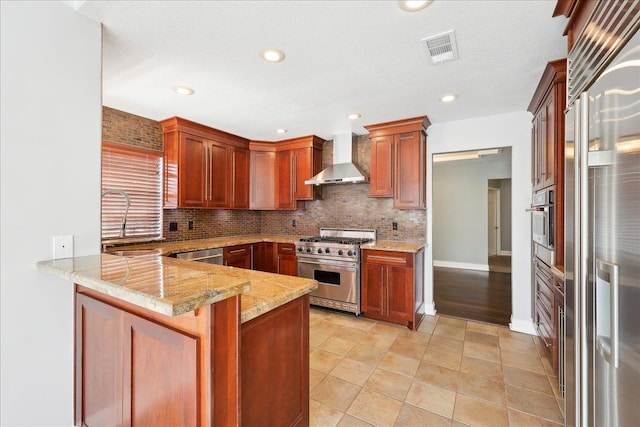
x: 293, y: 222
x: 190, y: 225
x: 394, y: 225
x: 63, y: 246
x: 173, y: 226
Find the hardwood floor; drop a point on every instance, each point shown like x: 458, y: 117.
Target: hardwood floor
x: 470, y: 294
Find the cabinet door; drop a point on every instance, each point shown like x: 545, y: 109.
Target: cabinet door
x: 239, y: 178
x: 191, y: 176
x: 237, y: 256
x: 399, y: 282
x: 382, y: 160
x: 98, y: 363
x: 373, y: 286
x: 287, y: 260
x: 262, y: 178
x: 160, y: 375
x: 548, y: 177
x: 306, y: 163
x: 409, y: 185
x: 217, y: 195
x: 284, y: 182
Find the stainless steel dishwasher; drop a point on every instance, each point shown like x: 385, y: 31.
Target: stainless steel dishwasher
x: 210, y: 256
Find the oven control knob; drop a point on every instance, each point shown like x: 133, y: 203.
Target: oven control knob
x: 340, y: 252
x: 300, y: 249
x: 350, y: 253
x: 319, y: 250
x: 308, y: 250
x: 327, y: 250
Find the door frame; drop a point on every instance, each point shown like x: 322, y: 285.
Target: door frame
x: 498, y: 221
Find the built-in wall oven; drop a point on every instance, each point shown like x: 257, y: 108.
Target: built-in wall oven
x: 333, y: 259
x: 542, y: 225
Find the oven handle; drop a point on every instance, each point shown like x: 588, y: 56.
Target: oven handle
x: 351, y: 266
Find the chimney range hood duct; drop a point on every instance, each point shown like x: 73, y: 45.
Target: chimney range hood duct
x: 342, y: 171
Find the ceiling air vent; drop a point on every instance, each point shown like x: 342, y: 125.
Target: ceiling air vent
x: 441, y: 48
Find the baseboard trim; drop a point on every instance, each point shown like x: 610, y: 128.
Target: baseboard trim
x: 523, y: 326
x: 505, y: 253
x: 430, y: 309
x: 461, y: 265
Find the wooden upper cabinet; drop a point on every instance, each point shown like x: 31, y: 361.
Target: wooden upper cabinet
x: 285, y: 179
x: 262, y: 176
x: 547, y: 106
x: 398, y: 161
x: 202, y: 166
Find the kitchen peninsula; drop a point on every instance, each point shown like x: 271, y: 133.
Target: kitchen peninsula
x: 161, y: 341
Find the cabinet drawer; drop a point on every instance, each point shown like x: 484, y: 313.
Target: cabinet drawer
x: 286, y: 249
x: 236, y: 251
x: 403, y: 259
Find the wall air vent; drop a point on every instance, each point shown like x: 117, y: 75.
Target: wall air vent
x: 441, y: 48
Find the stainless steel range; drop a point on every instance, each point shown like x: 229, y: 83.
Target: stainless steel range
x: 333, y: 259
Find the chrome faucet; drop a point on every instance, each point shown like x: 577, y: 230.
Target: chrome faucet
x: 126, y: 211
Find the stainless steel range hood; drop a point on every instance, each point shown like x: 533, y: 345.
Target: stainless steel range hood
x: 342, y: 171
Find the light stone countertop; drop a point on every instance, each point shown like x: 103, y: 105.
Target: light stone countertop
x: 171, y: 287
x: 391, y: 245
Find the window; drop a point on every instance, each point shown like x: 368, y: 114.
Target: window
x: 138, y: 173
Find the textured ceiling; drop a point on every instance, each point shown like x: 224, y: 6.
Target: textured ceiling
x: 341, y: 57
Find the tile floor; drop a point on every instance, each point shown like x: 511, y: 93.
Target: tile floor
x: 451, y: 372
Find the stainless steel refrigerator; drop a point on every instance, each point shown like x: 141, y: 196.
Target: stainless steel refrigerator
x: 602, y: 223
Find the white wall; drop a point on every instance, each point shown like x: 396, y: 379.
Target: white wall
x: 50, y: 185
x: 505, y: 130
x: 460, y: 219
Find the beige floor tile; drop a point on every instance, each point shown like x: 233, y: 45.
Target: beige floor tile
x: 520, y: 419
x: 431, y: 398
x: 349, y: 421
x: 375, y: 408
x: 555, y: 386
x: 353, y: 371
x: 537, y: 404
x: 479, y: 413
x: 315, y: 339
x: 337, y: 346
x: 335, y: 392
x: 445, y: 330
x: 388, y: 329
x: 365, y: 353
x: 324, y: 327
x: 519, y: 346
x: 483, y: 328
x: 321, y: 415
x: 389, y: 383
x: 314, y: 378
x: 440, y: 356
x: 527, y: 379
x: 504, y: 332
x: 480, y: 338
x: 482, y: 368
x: 382, y: 342
x: 438, y: 341
x: 452, y: 321
x: 399, y: 364
x: 437, y: 375
x: 415, y: 336
x: 427, y: 326
x: 481, y: 351
x: 482, y: 388
x: 408, y: 348
x: 349, y: 333
x: 528, y: 362
x: 352, y: 321
x: 323, y: 361
x: 411, y: 416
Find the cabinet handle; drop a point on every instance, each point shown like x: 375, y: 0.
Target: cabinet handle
x: 386, y: 258
x: 236, y: 251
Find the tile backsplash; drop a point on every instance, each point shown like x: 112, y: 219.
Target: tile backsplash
x: 343, y: 205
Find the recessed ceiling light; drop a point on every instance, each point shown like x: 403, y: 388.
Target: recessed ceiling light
x: 281, y: 131
x: 353, y: 116
x: 449, y: 98
x: 414, y: 5
x: 272, y: 55
x: 183, y: 90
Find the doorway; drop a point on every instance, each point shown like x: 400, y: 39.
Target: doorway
x: 470, y: 229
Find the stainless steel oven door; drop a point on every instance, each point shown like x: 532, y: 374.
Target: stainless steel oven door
x: 542, y: 227
x: 337, y: 280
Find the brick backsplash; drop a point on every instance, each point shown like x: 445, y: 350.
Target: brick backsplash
x: 343, y: 205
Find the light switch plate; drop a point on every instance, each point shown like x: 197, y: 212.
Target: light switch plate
x: 63, y: 246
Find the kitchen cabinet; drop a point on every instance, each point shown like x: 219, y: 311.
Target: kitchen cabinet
x: 549, y: 313
x: 392, y: 286
x: 398, y: 161
x: 239, y: 256
x: 204, y: 167
x: 265, y: 257
x: 262, y: 176
x: 285, y: 182
x: 287, y: 259
x: 136, y: 367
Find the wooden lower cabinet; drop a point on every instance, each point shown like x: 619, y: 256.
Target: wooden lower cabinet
x: 275, y: 367
x: 265, y: 257
x: 287, y: 259
x: 239, y: 256
x: 549, y: 313
x: 392, y: 287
